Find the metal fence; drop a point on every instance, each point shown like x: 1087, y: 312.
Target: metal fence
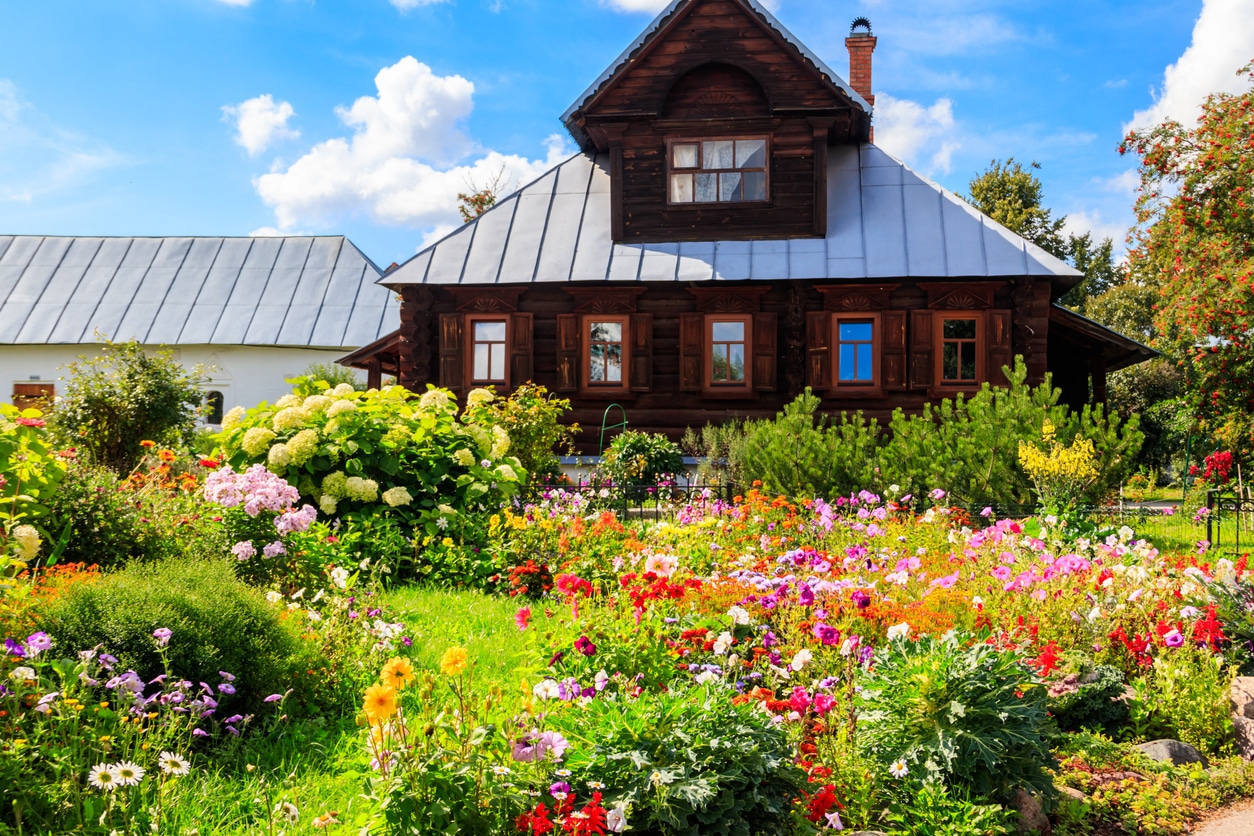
x: 1229, y: 521
x: 653, y: 501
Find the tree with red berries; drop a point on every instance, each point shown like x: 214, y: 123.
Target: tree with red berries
x: 1194, y: 242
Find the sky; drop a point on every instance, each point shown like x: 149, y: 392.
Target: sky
x: 367, y: 118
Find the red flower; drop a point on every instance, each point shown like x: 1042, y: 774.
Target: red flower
x: 588, y: 821
x: 32, y: 422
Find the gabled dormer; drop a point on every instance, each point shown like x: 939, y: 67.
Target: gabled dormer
x: 717, y: 123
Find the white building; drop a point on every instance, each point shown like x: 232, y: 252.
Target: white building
x: 251, y: 311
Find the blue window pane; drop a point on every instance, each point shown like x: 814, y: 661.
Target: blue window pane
x: 866, y: 363
x: 848, y: 361
x: 855, y: 331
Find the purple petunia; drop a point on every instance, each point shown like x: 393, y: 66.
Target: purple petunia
x: 37, y: 643
x: 162, y: 635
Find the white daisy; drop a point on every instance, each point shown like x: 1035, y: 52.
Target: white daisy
x: 288, y: 810
x: 101, y: 777
x: 174, y: 764
x: 898, y: 769
x: 128, y: 774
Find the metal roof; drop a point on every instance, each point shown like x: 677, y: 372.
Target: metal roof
x: 660, y: 21
x: 301, y: 292
x: 1121, y: 351
x: 884, y: 221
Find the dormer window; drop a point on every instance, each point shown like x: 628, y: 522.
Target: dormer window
x: 732, y: 170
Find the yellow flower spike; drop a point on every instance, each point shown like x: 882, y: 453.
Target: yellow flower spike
x: 454, y: 661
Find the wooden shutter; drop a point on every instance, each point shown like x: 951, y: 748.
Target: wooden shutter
x: 819, y: 350
x: 34, y: 395
x: 520, y: 362
x: 893, y: 370
x: 997, y: 335
x: 691, y: 352
x: 452, y: 352
x: 922, y: 349
x: 568, y: 352
x: 765, y: 351
x: 641, y: 349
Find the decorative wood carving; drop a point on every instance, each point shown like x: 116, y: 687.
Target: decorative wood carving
x: 604, y: 300
x: 486, y: 300
x: 725, y: 300
x: 856, y: 297
x: 967, y: 297
x: 795, y: 340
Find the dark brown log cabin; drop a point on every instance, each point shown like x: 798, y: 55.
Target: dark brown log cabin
x: 728, y: 235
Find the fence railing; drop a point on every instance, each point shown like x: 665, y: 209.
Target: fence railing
x: 1229, y: 520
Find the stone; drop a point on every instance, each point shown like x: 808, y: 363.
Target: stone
x: 1032, y: 818
x: 1241, y: 696
x: 1172, y: 751
x: 1072, y: 793
x: 1243, y: 730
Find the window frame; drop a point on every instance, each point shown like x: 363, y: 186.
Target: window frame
x: 671, y: 169
x: 981, y: 349
x: 740, y: 387
x: 873, y: 387
x: 588, y: 385
x: 44, y: 399
x: 471, y: 342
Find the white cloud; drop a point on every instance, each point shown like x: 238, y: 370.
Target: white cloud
x: 405, y: 162
x: 236, y: 2
x: 1098, y: 226
x: 38, y: 157
x: 406, y: 5
x: 925, y: 137
x: 259, y: 123
x: 655, y: 6
x: 1223, y: 42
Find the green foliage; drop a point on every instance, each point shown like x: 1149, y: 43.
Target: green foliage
x: 1101, y: 272
x: 1091, y: 700
x: 334, y: 374
x: 218, y: 624
x: 937, y: 810
x: 30, y: 474
x: 531, y: 416
x: 1234, y: 606
x: 1190, y: 693
x: 124, y: 396
x: 1155, y: 391
x: 686, y: 762
x: 957, y: 711
x: 637, y: 458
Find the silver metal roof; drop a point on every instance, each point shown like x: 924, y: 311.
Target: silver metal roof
x: 660, y: 21
x: 884, y: 221
x: 295, y: 292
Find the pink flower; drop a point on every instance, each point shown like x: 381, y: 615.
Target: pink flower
x: 824, y: 703
x: 522, y: 618
x: 827, y: 634
x: 1173, y: 639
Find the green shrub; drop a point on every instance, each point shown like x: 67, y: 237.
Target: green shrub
x: 1089, y: 700
x: 30, y: 476
x: 957, y: 711
x: 937, y: 810
x: 637, y: 458
x: 1190, y: 687
x: 531, y: 417
x: 124, y: 396
x: 217, y: 623
x: 688, y: 762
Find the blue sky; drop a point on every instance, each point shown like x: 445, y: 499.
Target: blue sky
x: 229, y: 117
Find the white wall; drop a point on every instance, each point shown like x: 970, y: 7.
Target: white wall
x: 245, y: 375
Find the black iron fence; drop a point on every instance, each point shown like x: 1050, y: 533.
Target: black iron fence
x: 1229, y: 520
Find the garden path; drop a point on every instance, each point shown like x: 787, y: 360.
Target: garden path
x: 1235, y: 821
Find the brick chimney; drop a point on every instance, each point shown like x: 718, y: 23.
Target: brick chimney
x: 861, y: 43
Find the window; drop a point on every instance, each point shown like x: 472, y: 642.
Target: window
x: 960, y: 354
x: 214, y: 402
x: 488, y: 354
x: 718, y: 171
x: 729, y: 342
x: 606, y: 351
x: 34, y: 395
x: 855, y: 351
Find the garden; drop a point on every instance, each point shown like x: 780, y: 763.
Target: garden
x: 386, y: 612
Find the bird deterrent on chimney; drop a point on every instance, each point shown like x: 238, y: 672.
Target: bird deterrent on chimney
x: 861, y: 43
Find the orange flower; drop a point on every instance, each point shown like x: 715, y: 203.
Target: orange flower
x: 147, y: 444
x: 397, y: 673
x: 166, y: 455
x: 380, y: 704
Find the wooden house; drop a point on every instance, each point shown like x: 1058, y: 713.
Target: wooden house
x: 727, y: 235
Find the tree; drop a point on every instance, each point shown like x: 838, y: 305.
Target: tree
x: 1195, y: 240
x: 475, y: 201
x: 123, y: 397
x: 1012, y: 195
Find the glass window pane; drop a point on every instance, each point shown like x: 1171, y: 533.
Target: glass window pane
x: 481, y: 361
x: 614, y: 363
x: 949, y: 362
x: 717, y: 154
x: 736, y: 372
x: 751, y: 153
x: 856, y: 331
x: 707, y: 188
x: 848, y: 361
x: 755, y: 185
x: 498, y: 361
x: 866, y: 363
x: 606, y: 332
x: 729, y: 187
x: 719, y: 362
x: 960, y: 329
x: 596, y: 363
x: 681, y: 188
x: 968, y: 361
x: 490, y: 332
x: 729, y: 332
x: 685, y: 155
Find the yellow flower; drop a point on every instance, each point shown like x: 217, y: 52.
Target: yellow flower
x: 397, y: 673
x: 454, y: 661
x: 380, y: 703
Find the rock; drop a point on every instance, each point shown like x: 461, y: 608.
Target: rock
x: 1243, y: 729
x: 1104, y: 778
x: 1241, y: 695
x: 1032, y: 818
x: 1072, y: 793
x: 1173, y: 751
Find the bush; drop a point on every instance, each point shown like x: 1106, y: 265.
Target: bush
x: 29, y: 478
x: 1090, y: 700
x: 122, y: 397
x: 935, y: 810
x: 957, y: 711
x: 687, y: 762
x: 1191, y: 687
x: 636, y: 458
x: 530, y: 415
x: 217, y: 622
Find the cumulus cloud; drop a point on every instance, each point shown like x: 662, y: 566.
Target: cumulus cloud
x: 406, y: 161
x: 38, y: 157
x: 260, y: 122
x: 925, y: 137
x: 1222, y: 43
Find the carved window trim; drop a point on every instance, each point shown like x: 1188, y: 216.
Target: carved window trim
x: 589, y: 386
x: 471, y: 343
x: 739, y: 388
x: 873, y: 387
x: 979, y: 342
x: 672, y: 170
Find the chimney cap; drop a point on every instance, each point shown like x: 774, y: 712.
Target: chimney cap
x: 860, y: 22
